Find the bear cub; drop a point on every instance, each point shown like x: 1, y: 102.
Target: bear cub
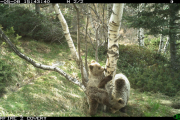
x: 119, y: 92
x: 95, y: 93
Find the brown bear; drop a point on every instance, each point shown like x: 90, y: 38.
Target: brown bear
x: 119, y: 91
x: 95, y: 94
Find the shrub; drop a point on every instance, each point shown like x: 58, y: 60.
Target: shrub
x: 28, y: 24
x: 5, y: 76
x: 147, y: 70
x: 102, y: 53
x: 10, y: 33
x: 152, y: 44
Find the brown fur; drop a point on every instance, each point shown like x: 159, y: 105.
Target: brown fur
x: 119, y: 94
x: 104, y: 82
x: 96, y: 95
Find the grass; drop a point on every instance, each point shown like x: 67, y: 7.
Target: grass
x: 47, y: 93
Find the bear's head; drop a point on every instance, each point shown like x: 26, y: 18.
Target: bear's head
x: 117, y: 104
x: 95, y: 68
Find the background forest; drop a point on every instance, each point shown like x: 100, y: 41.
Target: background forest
x: 149, y: 56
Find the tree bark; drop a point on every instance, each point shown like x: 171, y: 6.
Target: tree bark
x: 161, y: 43
x: 68, y: 38
x: 86, y: 65
x: 141, y: 37
x: 37, y: 7
x: 113, y: 47
x: 166, y: 45
x: 97, y: 44
x: 66, y: 32
x: 141, y: 30
x: 113, y: 35
x: 79, y: 47
x: 172, y: 35
x: 93, y: 26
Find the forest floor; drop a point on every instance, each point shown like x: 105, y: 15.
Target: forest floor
x: 47, y: 93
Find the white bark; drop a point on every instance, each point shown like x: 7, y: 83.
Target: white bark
x: 141, y: 30
x: 113, y: 47
x: 141, y: 36
x: 161, y: 44
x: 66, y: 32
x: 166, y: 45
x: 38, y: 65
x: 113, y: 35
x: 68, y: 38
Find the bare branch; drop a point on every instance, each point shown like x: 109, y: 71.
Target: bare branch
x: 38, y: 65
x: 90, y: 40
x: 97, y: 44
x: 68, y: 38
x: 95, y: 12
x: 86, y: 44
x: 79, y: 47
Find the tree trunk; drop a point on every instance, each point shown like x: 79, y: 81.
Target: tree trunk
x: 141, y: 30
x: 113, y: 32
x: 66, y: 32
x: 108, y: 12
x: 68, y: 38
x: 166, y: 45
x: 108, y: 16
x: 79, y: 47
x: 161, y: 44
x: 141, y: 37
x: 37, y: 7
x: 91, y: 19
x: 113, y: 47
x: 97, y: 44
x: 86, y: 66
x: 172, y: 38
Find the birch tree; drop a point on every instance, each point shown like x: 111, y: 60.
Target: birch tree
x: 39, y: 65
x: 140, y: 32
x: 66, y: 32
x: 113, y: 48
x: 161, y: 43
x: 166, y: 45
x: 113, y: 36
x: 68, y: 38
x: 48, y: 67
x: 140, y: 36
x: 154, y: 18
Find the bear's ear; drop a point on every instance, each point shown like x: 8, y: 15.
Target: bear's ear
x: 90, y: 67
x: 120, y: 101
x: 93, y: 61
